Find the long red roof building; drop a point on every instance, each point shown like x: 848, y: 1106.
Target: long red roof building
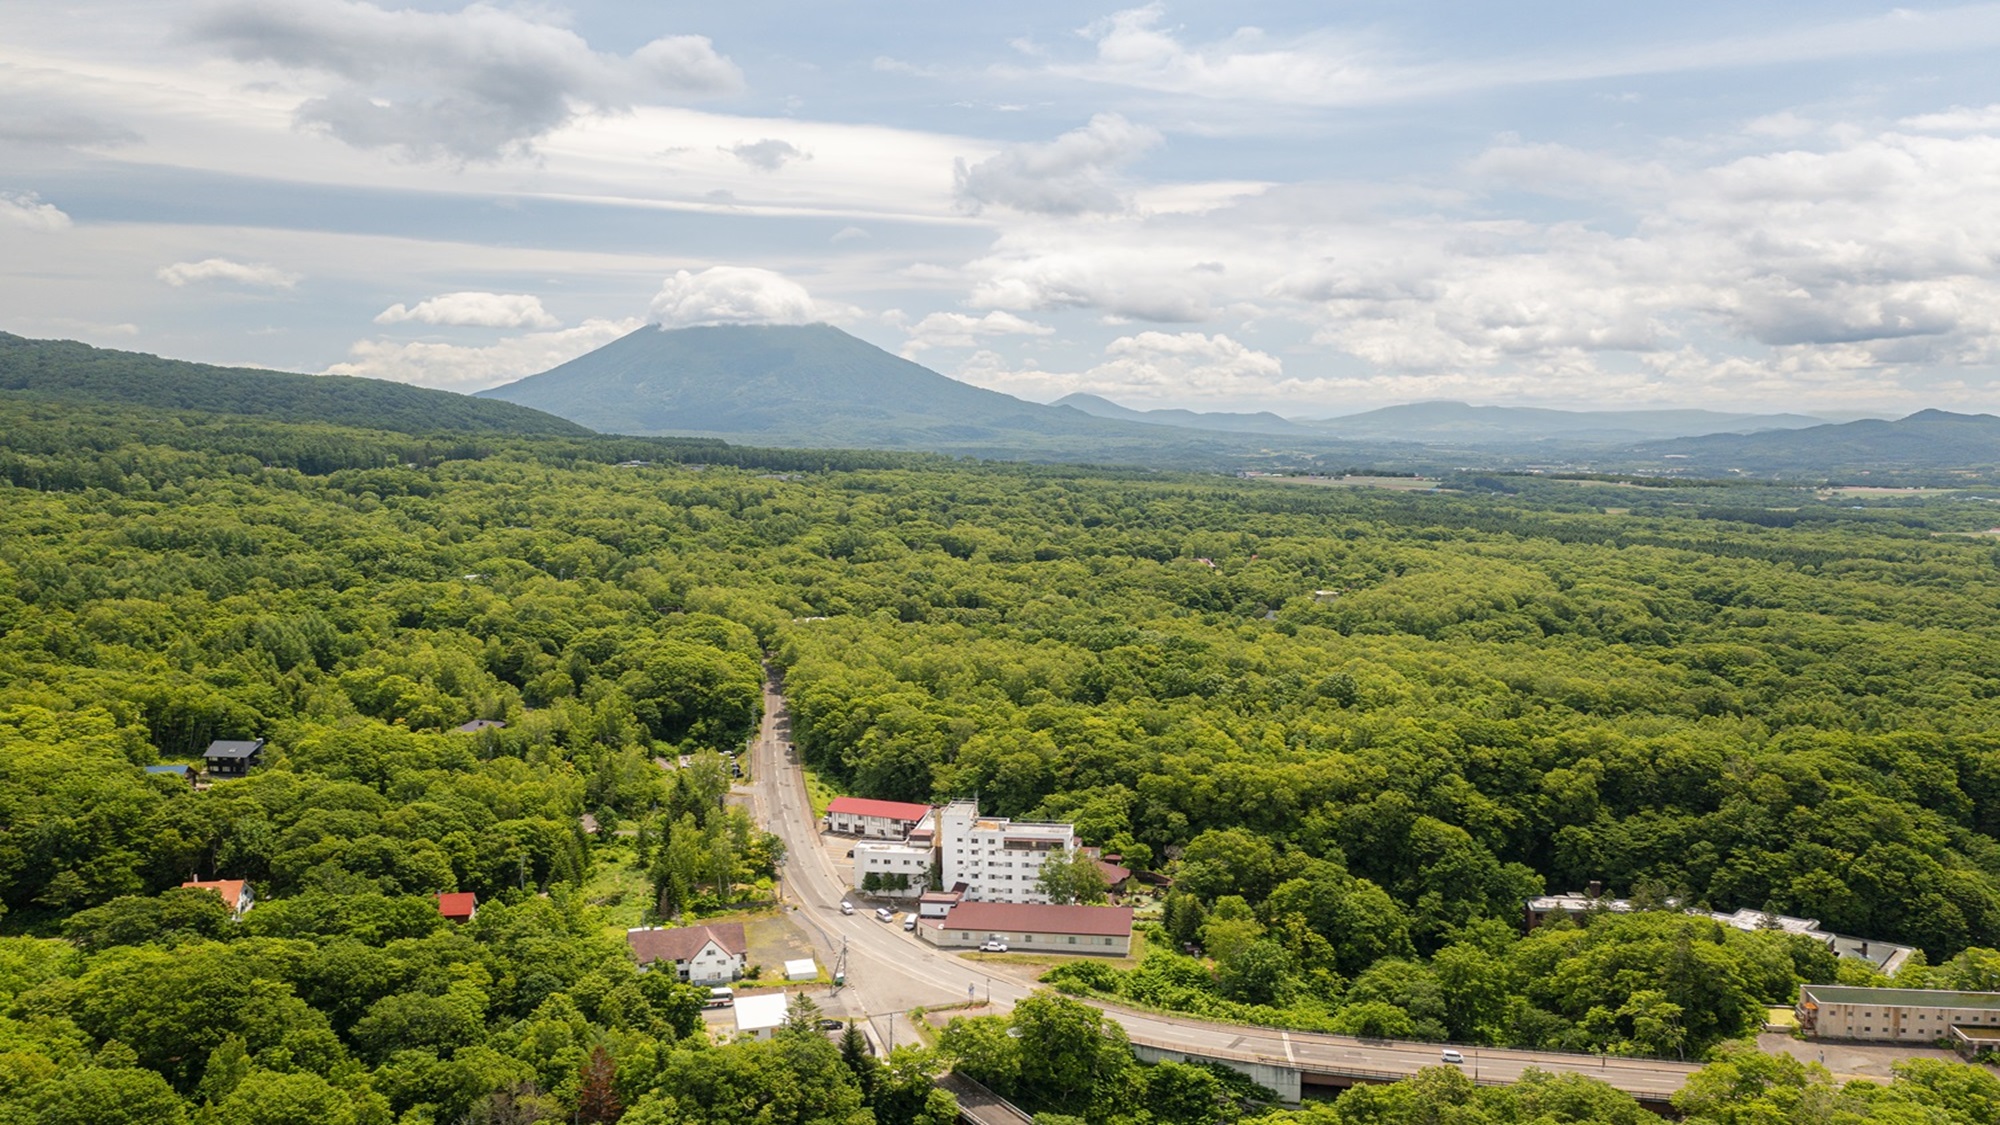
x: 886, y: 810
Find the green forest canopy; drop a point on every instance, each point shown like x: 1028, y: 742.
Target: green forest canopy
x: 1356, y: 728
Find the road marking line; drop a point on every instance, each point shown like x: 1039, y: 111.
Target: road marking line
x: 1288, y: 1047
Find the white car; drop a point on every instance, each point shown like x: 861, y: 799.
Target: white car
x: 993, y: 945
x: 846, y: 907
x: 884, y: 914
x: 1453, y: 1057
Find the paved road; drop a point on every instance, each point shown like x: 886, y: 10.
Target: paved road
x: 889, y: 970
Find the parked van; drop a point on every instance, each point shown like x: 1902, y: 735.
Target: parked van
x: 909, y: 923
x: 884, y: 914
x: 720, y: 998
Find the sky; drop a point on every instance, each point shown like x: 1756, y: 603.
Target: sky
x: 1312, y: 208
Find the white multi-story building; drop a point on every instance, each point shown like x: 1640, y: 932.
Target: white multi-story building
x: 886, y: 861
x: 998, y: 860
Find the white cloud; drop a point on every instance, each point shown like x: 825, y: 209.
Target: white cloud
x: 769, y: 154
x: 1566, y: 172
x: 849, y: 234
x: 476, y: 84
x: 222, y: 269
x: 1147, y: 367
x: 464, y: 368
x: 1068, y: 176
x: 996, y: 372
x: 63, y: 129
x: 959, y: 330
x: 731, y: 295
x: 1957, y: 119
x: 1874, y: 259
x: 482, y: 310
x: 1132, y: 50
x: 1186, y: 362
x: 1327, y: 68
x: 1142, y: 272
x: 27, y: 209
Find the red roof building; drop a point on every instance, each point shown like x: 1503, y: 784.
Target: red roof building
x: 710, y: 954
x: 860, y: 816
x: 235, y: 893
x: 458, y: 906
x: 1034, y: 927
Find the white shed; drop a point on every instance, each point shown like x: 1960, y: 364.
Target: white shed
x: 761, y: 1015
x: 805, y: 968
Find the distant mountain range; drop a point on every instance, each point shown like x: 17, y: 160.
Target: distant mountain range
x: 813, y: 385
x: 1461, y: 424
x: 816, y: 387
x: 1263, y: 422
x: 1485, y: 425
x: 65, y: 369
x: 1925, y: 442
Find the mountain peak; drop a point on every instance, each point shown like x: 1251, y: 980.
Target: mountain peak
x: 1936, y: 415
x: 798, y: 385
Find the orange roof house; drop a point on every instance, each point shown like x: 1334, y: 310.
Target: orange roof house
x: 235, y: 893
x: 458, y: 906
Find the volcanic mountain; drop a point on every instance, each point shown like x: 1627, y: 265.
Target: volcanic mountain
x: 808, y: 385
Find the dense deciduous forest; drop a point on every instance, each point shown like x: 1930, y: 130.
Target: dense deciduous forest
x: 1355, y: 728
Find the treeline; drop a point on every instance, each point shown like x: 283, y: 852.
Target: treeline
x: 50, y: 444
x: 1658, y: 984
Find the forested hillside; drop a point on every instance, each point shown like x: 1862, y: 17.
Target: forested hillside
x: 78, y: 373
x: 1354, y: 727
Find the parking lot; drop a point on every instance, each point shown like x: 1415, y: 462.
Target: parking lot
x: 1861, y: 1060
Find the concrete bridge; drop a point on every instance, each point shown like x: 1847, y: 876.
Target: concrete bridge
x: 1292, y: 1063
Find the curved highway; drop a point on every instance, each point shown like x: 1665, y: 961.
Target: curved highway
x: 889, y: 971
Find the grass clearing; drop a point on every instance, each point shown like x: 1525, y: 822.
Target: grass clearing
x: 1875, y: 490
x: 619, y: 890
x: 818, y: 792
x: 773, y: 939
x: 1392, y: 484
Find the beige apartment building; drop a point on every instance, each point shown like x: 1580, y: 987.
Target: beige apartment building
x: 1893, y: 1015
